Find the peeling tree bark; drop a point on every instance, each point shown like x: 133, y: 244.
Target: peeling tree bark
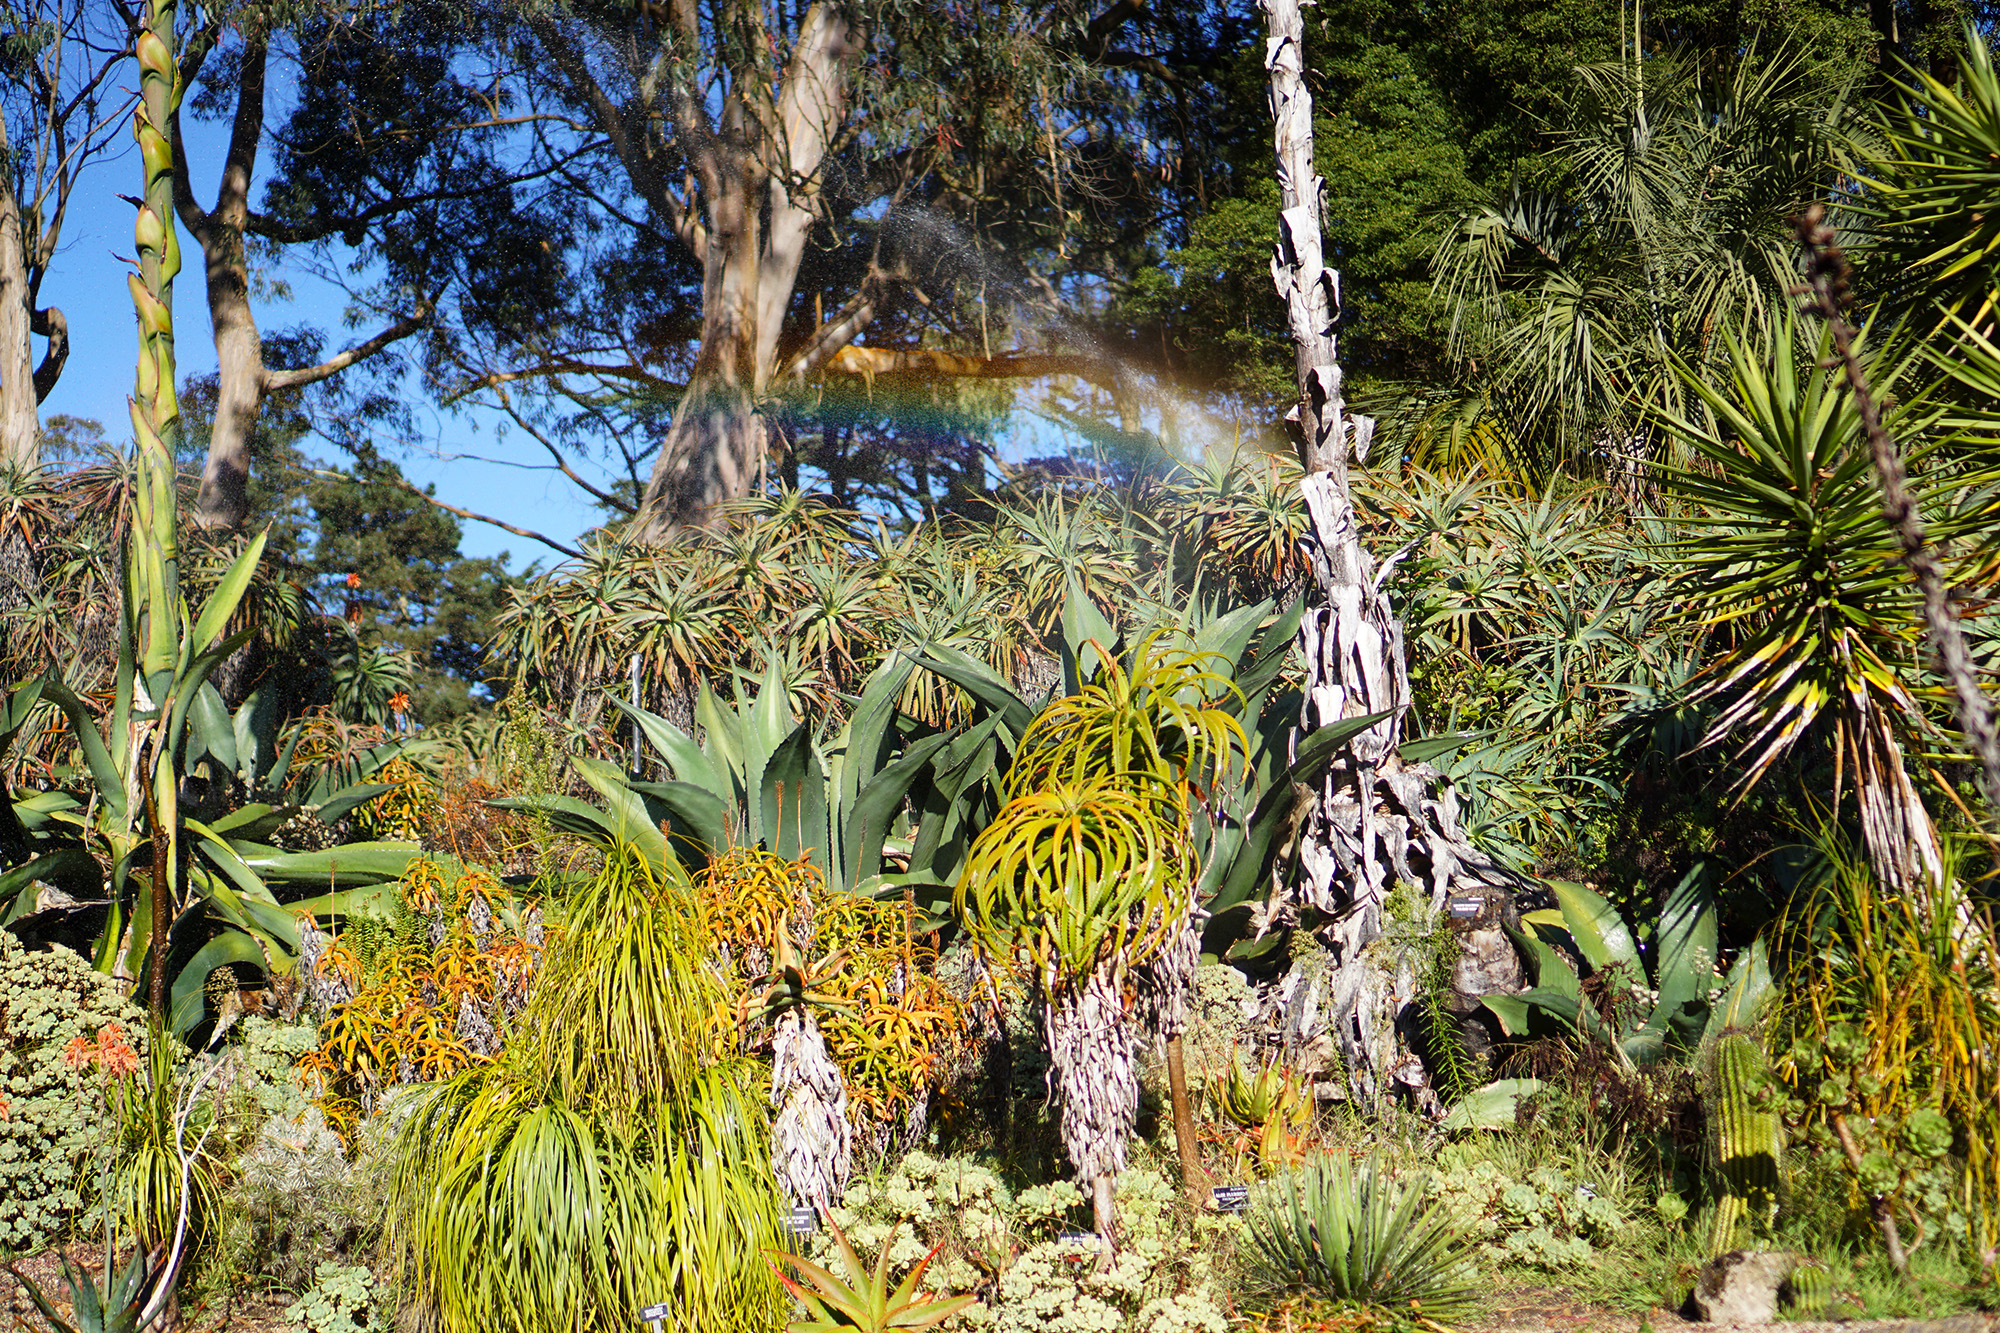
x: 756, y: 166
x: 1375, y: 819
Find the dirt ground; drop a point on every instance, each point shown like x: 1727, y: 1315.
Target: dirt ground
x: 1538, y: 1310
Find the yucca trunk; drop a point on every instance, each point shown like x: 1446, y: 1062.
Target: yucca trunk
x: 812, y: 1145
x: 1093, y: 1076
x: 1375, y: 819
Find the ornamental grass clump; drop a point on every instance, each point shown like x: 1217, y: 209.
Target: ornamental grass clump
x: 614, y: 1155
x: 1358, y: 1235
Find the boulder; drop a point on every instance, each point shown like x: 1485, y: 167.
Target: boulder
x: 1741, y: 1287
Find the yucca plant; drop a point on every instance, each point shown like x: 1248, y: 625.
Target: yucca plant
x: 1361, y: 1236
x: 863, y: 1299
x: 1793, y: 571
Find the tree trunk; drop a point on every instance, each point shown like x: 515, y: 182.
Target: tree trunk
x: 749, y: 169
x: 223, y: 502
x: 1089, y: 1038
x: 20, y: 425
x: 1193, y: 1174
x: 1376, y: 819
x: 1163, y: 985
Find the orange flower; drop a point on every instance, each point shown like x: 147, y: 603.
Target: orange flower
x: 114, y: 1052
x: 353, y: 580
x: 399, y: 702
x: 81, y: 1051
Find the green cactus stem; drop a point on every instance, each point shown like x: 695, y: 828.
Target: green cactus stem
x: 1748, y: 1140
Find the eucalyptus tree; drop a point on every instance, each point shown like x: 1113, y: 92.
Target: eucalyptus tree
x: 389, y: 143
x: 751, y: 187
x: 60, y: 107
x: 1659, y: 219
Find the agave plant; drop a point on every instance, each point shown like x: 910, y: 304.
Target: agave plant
x: 1361, y: 1236
x: 117, y: 1307
x: 864, y: 1299
x: 1611, y: 998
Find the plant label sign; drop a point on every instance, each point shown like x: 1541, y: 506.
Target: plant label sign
x: 803, y: 1221
x: 1464, y: 909
x: 1081, y: 1241
x: 1231, y: 1198
x: 654, y: 1315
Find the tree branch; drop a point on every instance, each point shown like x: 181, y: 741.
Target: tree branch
x: 427, y: 497
x: 275, y: 380
x: 50, y: 324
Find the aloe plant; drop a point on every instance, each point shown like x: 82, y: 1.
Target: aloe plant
x: 1648, y: 1010
x: 118, y: 1308
x: 760, y: 779
x: 863, y: 1299
x: 1357, y: 1234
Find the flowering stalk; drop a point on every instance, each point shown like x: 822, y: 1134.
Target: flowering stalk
x: 152, y: 570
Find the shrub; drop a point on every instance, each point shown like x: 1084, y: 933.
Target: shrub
x: 1006, y: 1246
x: 1360, y: 1235
x: 613, y: 1156
x: 431, y: 987
x: 49, y: 1130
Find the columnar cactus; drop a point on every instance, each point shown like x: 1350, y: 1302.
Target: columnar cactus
x: 1748, y: 1138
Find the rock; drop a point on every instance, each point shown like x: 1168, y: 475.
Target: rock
x: 1741, y: 1287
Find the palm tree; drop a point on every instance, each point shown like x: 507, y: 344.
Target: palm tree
x: 1662, y: 218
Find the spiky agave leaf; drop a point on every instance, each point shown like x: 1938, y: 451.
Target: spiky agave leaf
x: 1362, y: 1236
x: 863, y: 1300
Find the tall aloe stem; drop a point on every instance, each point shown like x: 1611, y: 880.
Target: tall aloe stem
x: 1376, y: 819
x: 152, y: 572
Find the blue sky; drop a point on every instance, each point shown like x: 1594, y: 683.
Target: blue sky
x: 88, y: 282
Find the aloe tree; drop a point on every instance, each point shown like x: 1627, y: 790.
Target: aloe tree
x: 1076, y: 884
x: 1374, y: 817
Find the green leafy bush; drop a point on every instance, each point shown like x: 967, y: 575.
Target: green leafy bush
x: 1361, y: 1235
x: 1007, y: 1246
x: 53, y: 1122
x: 1542, y: 1218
